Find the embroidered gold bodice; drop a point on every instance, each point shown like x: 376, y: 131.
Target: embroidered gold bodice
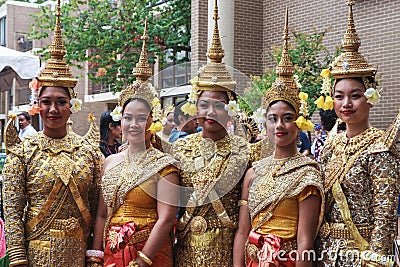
x: 289, y: 181
x: 30, y: 173
x: 369, y: 180
x: 221, y: 165
x: 130, y: 187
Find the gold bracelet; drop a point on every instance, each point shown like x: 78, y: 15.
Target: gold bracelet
x: 133, y: 264
x: 145, y: 258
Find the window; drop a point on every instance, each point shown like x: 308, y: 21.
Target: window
x: 3, y: 31
x: 11, y: 98
x: 24, y: 43
x: 175, y: 75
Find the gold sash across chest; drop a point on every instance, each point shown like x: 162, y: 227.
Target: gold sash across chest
x: 344, y: 156
x: 227, y: 160
x: 63, y: 167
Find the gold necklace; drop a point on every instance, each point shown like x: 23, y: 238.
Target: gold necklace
x: 269, y: 179
x: 347, y: 147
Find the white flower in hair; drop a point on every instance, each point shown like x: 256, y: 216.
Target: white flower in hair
x: 76, y: 105
x: 372, y: 96
x: 232, y: 108
x: 258, y: 116
x: 116, y: 114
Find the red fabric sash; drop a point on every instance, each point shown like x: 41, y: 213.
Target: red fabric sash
x: 268, y: 256
x: 125, y: 233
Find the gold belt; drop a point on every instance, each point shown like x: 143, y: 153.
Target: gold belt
x: 70, y: 225
x: 137, y: 237
x: 340, y: 231
x: 140, y: 236
x: 198, y: 225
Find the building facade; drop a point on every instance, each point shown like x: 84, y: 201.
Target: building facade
x: 258, y: 26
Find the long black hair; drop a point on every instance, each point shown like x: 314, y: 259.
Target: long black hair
x: 105, y: 120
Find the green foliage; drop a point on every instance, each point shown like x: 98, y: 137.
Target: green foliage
x: 309, y: 56
x: 27, y: 1
x: 107, y: 37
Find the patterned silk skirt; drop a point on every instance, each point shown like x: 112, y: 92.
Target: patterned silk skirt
x: 135, y: 244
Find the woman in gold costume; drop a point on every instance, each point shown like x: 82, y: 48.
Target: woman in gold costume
x: 51, y: 178
x: 212, y: 165
x: 282, y: 193
x: 138, y: 204
x: 361, y: 169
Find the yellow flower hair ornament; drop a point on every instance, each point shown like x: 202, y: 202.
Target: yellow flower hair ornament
x: 190, y: 107
x: 325, y: 101
x: 303, y: 122
x: 156, y: 126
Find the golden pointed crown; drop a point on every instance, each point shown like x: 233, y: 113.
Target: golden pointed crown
x: 140, y: 88
x: 56, y: 71
x: 351, y: 63
x: 284, y: 88
x: 215, y: 76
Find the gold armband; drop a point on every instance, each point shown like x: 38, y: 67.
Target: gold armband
x: 242, y: 202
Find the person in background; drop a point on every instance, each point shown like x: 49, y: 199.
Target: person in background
x: 185, y: 124
x: 318, y: 132
x: 303, y: 144
x: 328, y: 120
x: 168, y: 123
x: 25, y: 127
x: 110, y: 131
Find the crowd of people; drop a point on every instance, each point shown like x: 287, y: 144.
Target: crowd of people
x: 198, y: 192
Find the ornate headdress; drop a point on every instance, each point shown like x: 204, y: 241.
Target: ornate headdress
x: 140, y: 88
x: 350, y: 64
x: 56, y: 72
x: 214, y: 76
x: 286, y: 87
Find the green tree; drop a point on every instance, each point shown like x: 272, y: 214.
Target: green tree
x: 27, y: 1
x: 309, y: 56
x: 107, y: 36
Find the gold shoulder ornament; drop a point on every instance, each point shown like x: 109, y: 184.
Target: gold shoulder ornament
x: 93, y: 134
x: 10, y: 133
x: 387, y: 141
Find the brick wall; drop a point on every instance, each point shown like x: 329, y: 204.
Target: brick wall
x: 377, y: 23
x: 199, y: 31
x: 248, y: 36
